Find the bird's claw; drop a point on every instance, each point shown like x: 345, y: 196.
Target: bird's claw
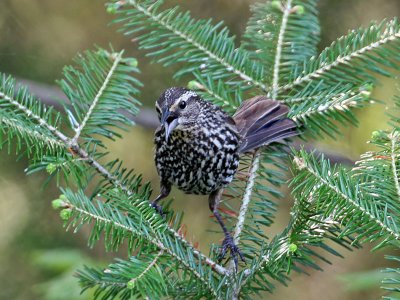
x: 229, y: 244
x: 158, y: 208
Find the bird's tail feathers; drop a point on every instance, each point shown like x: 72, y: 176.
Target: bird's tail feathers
x: 261, y: 121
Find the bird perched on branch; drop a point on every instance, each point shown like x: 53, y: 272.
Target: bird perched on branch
x: 198, y: 145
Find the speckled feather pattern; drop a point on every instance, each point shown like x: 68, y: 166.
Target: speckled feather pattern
x: 202, y: 157
x: 198, y: 145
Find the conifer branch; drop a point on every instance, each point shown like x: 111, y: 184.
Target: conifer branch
x: 151, y: 238
x: 215, y: 95
x: 115, y: 181
x: 370, y: 42
x: 115, y: 280
x: 331, y: 203
x: 29, y: 113
x: 217, y: 91
x: 341, y: 102
x: 319, y: 108
x: 117, y: 59
x: 48, y: 140
x: 391, y: 281
x: 101, y: 91
x: 282, y: 29
x: 202, y: 45
x: 215, y: 266
x: 298, y: 39
x: 395, y: 140
x: 147, y: 269
x: 222, y: 60
x: 340, y: 61
x: 80, y: 152
x: 351, y: 201
x: 255, y: 163
x: 207, y: 88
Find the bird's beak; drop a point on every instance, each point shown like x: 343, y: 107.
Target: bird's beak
x: 170, y: 121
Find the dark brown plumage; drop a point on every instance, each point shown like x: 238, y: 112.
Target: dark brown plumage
x: 198, y: 144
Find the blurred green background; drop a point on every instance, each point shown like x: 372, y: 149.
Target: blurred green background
x: 39, y: 37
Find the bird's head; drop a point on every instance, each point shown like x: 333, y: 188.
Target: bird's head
x: 177, y: 108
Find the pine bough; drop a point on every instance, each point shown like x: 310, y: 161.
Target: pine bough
x: 277, y: 57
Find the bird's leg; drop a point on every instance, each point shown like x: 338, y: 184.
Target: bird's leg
x: 228, y: 243
x: 165, y: 190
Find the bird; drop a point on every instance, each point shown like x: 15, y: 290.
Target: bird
x: 198, y: 146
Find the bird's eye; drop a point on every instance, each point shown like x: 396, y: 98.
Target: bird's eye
x: 182, y: 104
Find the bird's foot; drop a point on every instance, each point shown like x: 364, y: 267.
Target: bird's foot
x: 158, y: 208
x: 229, y: 244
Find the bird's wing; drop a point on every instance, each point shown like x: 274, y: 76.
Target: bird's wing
x: 261, y: 121
x: 253, y: 111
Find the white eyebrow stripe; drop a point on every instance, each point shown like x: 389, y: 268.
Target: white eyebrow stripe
x: 185, y: 97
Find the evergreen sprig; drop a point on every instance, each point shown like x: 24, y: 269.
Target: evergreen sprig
x: 340, y: 194
x: 282, y: 36
x: 25, y: 121
x: 333, y: 206
x: 356, y: 57
x: 102, y: 90
x: 200, y: 45
x: 364, y: 200
x: 133, y: 278
x: 319, y: 113
x: 391, y: 283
